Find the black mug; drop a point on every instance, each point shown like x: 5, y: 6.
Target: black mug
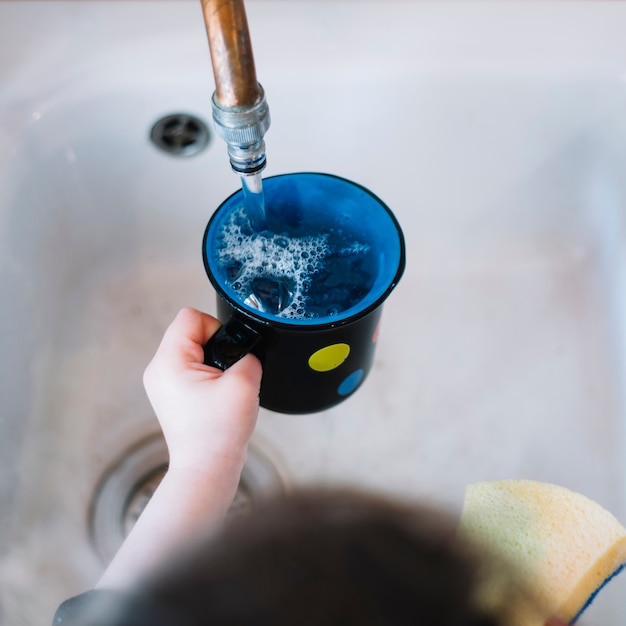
x: 303, y: 289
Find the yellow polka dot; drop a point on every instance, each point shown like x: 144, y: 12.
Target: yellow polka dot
x: 329, y: 358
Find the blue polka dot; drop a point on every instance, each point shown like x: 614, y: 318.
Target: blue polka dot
x: 350, y: 383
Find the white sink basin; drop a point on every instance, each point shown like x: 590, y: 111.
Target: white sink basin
x: 495, y: 131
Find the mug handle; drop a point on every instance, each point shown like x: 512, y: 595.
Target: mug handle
x: 229, y: 344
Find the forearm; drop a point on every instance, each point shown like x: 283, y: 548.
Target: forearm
x: 186, y: 503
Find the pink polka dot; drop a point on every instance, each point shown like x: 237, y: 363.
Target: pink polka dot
x: 376, y: 332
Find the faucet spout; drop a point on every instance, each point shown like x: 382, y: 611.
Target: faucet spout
x: 231, y: 53
x: 240, y: 111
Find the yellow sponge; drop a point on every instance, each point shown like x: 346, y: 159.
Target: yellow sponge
x: 564, y: 546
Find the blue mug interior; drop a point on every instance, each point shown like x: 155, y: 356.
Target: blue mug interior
x: 303, y: 205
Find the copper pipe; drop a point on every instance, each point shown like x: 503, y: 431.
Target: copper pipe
x: 231, y: 53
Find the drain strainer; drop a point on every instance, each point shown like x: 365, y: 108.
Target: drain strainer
x: 180, y: 134
x: 129, y: 484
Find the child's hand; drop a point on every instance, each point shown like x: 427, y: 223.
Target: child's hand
x: 207, y: 415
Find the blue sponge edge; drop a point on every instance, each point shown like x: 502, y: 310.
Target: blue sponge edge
x: 592, y: 597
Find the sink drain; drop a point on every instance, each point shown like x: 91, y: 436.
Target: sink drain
x: 180, y: 134
x: 128, y: 485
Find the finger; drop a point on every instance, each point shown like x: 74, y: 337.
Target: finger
x: 185, y: 337
x: 248, y: 368
x: 244, y: 379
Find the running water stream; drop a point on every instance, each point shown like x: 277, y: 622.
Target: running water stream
x: 254, y: 200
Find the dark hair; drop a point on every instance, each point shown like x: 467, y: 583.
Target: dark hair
x: 320, y: 558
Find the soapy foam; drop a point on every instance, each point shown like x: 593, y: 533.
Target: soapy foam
x: 291, y: 261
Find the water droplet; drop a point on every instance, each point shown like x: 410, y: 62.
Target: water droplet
x: 272, y: 293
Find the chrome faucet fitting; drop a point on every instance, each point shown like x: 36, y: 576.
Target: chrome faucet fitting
x: 243, y: 129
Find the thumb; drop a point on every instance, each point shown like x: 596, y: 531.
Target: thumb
x: 247, y: 371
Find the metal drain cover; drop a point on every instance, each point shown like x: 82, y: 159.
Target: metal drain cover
x: 128, y: 485
x: 180, y: 134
